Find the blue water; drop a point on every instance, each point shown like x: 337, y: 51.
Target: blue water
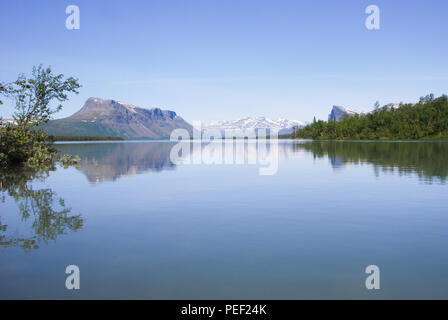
x: 140, y: 226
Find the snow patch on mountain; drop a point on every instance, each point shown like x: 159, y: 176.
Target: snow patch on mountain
x: 239, y: 126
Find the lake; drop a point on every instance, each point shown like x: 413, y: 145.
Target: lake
x: 140, y: 226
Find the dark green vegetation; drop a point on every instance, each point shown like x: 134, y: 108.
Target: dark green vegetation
x: 427, y: 119
x: 18, y: 147
x: 83, y: 138
x: 30, y: 149
x: 428, y: 159
x: 34, y: 97
x: 67, y: 128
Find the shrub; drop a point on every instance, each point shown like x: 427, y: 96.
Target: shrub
x: 24, y: 147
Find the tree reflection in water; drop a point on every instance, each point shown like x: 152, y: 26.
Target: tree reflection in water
x: 427, y: 159
x: 51, y: 217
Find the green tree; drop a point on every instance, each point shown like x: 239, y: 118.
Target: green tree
x: 34, y: 96
x: 2, y: 91
x: 376, y: 105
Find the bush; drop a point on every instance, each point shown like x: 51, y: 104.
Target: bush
x: 25, y: 147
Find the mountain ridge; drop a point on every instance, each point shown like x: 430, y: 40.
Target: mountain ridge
x: 100, y: 117
x: 238, y: 126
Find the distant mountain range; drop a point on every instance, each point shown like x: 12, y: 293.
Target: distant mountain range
x: 111, y: 118
x: 239, y: 126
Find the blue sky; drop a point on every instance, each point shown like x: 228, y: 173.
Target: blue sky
x: 212, y: 60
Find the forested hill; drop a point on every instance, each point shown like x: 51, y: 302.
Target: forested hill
x: 427, y: 119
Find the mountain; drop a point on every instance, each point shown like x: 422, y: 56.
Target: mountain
x: 112, y: 161
x: 100, y: 117
x: 338, y: 112
x: 237, y: 127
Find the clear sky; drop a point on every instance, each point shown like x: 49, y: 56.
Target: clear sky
x: 225, y: 59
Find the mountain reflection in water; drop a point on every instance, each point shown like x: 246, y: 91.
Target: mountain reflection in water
x: 110, y: 161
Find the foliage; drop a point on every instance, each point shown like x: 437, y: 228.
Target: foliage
x: 376, y: 105
x: 27, y: 154
x: 33, y: 96
x: 26, y: 147
x: 426, y: 119
x: 20, y: 146
x: 3, y: 90
x: 29, y: 149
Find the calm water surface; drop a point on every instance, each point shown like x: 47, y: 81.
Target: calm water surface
x: 139, y: 226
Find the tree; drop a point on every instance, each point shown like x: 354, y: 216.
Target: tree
x: 34, y: 96
x: 376, y: 105
x: 427, y: 98
x: 34, y: 104
x: 2, y: 90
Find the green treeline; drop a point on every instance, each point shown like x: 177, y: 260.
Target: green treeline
x: 427, y: 119
x: 83, y: 138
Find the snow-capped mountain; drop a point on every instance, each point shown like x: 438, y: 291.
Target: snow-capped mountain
x: 239, y: 126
